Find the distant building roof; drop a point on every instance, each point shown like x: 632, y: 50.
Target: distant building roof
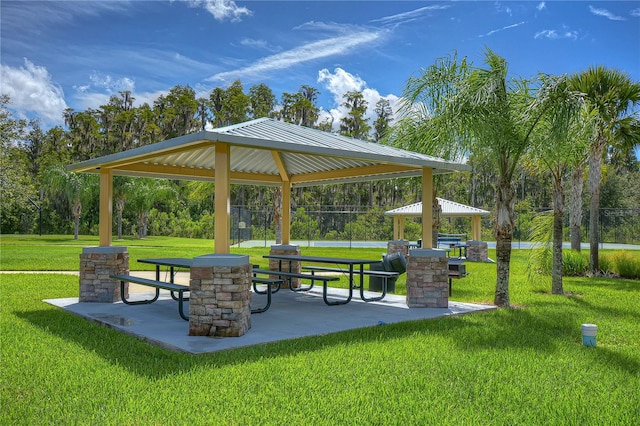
x: 449, y: 209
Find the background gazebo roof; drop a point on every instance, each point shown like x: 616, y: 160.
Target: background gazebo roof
x: 267, y: 152
x: 449, y: 209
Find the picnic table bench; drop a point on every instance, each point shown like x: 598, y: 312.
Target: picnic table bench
x: 269, y: 291
x: 174, y: 288
x: 356, y: 268
x: 181, y: 289
x: 311, y: 277
x: 385, y: 275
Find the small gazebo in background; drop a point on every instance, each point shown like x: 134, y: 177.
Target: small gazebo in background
x: 476, y: 249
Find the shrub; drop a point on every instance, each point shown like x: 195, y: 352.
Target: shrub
x: 606, y: 264
x: 574, y: 263
x: 625, y: 265
x: 332, y: 235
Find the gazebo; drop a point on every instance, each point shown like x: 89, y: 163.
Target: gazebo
x: 263, y: 152
x: 449, y: 209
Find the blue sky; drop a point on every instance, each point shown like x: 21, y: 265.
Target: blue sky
x: 76, y: 54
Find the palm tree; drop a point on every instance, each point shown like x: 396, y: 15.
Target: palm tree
x: 575, y: 203
x: 559, y: 139
x: 307, y: 109
x: 122, y: 188
x: 76, y: 187
x: 611, y: 97
x: 143, y: 194
x: 483, y: 112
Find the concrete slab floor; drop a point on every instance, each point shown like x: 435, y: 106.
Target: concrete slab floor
x: 291, y: 315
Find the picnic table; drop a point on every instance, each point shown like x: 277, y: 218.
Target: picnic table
x: 454, y: 241
x: 183, y: 262
x: 171, y: 262
x: 352, y: 267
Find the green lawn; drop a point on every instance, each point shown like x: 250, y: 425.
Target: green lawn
x: 511, y: 366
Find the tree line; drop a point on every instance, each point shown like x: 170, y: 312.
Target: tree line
x: 530, y: 143
x: 34, y: 160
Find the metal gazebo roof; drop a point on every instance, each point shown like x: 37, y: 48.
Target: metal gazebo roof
x: 267, y: 152
x: 449, y: 209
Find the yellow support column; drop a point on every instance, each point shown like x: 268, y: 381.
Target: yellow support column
x: 427, y: 212
x: 396, y: 227
x: 222, y: 195
x: 476, y: 228
x: 286, y: 212
x: 106, y: 207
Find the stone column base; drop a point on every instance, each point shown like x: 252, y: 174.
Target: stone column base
x: 398, y: 246
x: 96, y: 264
x: 295, y: 266
x: 220, y: 296
x: 477, y: 251
x: 427, y: 279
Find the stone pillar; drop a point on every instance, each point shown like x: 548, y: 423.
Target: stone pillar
x: 477, y: 251
x: 220, y: 295
x: 396, y: 246
x: 286, y: 249
x: 96, y: 264
x: 427, y: 279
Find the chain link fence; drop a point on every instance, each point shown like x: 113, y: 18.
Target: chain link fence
x: 350, y: 223
x: 619, y: 225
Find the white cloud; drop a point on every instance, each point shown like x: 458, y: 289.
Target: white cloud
x: 635, y: 12
x: 111, y: 85
x: 328, y: 27
x: 555, y: 35
x: 222, y: 9
x: 100, y: 88
x: 254, y: 43
x: 26, y: 15
x: 32, y: 91
x: 604, y: 12
x: 500, y: 7
x: 85, y: 100
x: 409, y: 16
x: 502, y: 29
x: 258, y: 44
x: 339, y: 45
x: 338, y: 84
x: 89, y: 100
x: 541, y: 6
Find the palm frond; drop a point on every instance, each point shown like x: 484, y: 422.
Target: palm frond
x: 541, y: 254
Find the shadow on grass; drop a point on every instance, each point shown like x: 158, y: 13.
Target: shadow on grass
x: 624, y: 284
x: 502, y: 329
x: 548, y: 332
x: 614, y: 309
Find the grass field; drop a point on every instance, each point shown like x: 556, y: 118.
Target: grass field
x: 524, y: 365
